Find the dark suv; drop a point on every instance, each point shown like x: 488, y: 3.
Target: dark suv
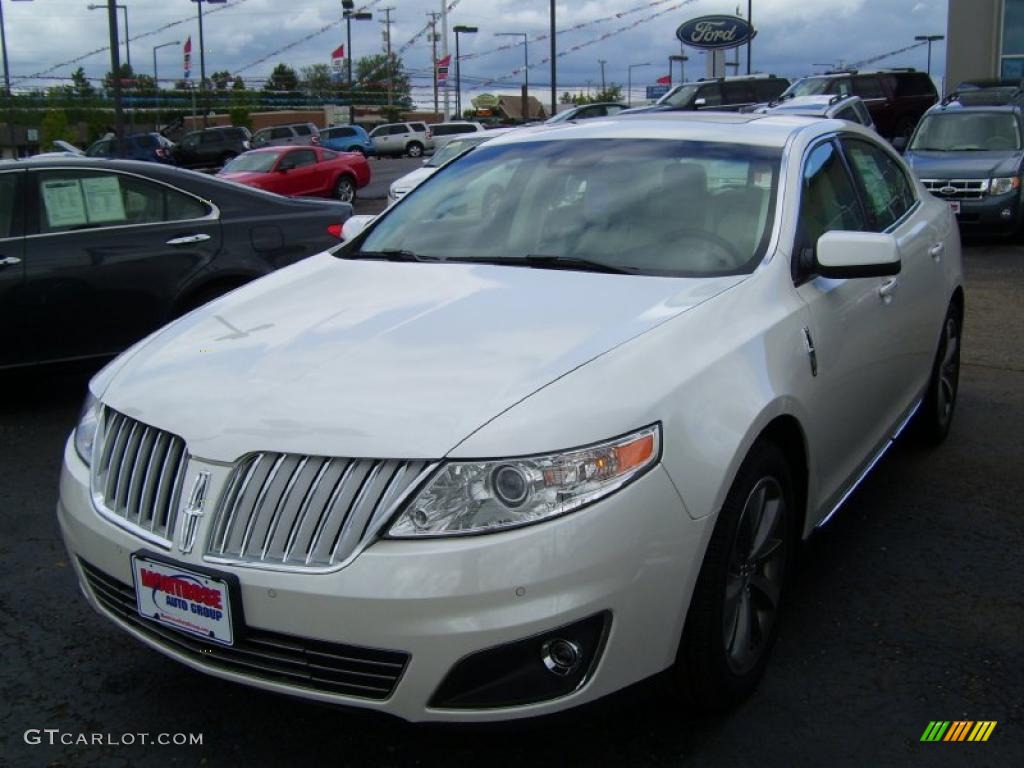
x: 211, y: 147
x: 896, y: 98
x: 729, y: 94
x: 138, y: 146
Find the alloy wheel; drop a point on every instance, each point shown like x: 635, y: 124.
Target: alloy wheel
x: 949, y: 370
x: 345, y: 191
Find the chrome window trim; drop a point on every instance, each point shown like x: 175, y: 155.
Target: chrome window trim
x: 213, y: 215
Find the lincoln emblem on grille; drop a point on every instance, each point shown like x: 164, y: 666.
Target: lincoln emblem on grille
x: 192, y: 512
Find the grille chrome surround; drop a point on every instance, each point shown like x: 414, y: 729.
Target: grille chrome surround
x: 136, y: 476
x: 963, y: 189
x: 332, y: 668
x: 289, y: 511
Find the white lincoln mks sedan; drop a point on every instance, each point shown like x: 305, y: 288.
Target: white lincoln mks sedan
x: 555, y: 423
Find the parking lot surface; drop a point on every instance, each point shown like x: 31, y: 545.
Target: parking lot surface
x: 908, y: 608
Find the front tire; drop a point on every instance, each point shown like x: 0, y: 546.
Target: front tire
x: 345, y: 189
x: 732, y: 621
x: 415, y: 149
x: 936, y: 414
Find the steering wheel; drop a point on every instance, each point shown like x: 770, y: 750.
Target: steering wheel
x: 998, y: 142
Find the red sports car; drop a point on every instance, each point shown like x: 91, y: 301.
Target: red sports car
x: 301, y: 171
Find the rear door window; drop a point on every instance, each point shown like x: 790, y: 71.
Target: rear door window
x: 736, y: 93
x: 419, y: 127
x: 303, y: 130
x: 768, y: 90
x: 888, y: 193
x: 841, y: 86
x: 711, y: 94
x: 868, y: 87
x: 281, y: 133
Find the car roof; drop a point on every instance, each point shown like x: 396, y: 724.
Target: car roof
x: 730, y: 127
x: 957, y: 107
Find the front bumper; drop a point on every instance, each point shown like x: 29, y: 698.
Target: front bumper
x: 989, y: 215
x: 635, y: 555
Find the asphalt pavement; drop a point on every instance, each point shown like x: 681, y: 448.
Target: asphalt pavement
x: 907, y: 608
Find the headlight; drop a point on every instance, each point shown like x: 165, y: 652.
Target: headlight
x: 1004, y: 185
x: 482, y: 496
x: 85, y: 432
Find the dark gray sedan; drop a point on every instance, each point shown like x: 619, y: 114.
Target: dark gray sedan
x: 95, y: 254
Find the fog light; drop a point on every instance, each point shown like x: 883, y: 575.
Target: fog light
x: 561, y: 657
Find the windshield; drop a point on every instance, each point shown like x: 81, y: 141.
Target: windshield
x: 453, y: 149
x: 809, y: 86
x: 252, y: 162
x: 645, y: 206
x: 679, y: 97
x: 967, y: 131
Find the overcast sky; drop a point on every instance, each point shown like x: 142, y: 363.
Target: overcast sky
x: 795, y: 37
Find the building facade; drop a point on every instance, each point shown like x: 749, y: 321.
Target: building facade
x: 985, y: 40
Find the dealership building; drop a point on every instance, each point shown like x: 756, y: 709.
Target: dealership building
x: 985, y: 39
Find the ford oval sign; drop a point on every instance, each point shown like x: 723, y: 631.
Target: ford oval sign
x: 712, y: 32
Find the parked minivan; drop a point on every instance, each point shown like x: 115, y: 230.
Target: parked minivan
x: 729, y: 94
x: 300, y: 134
x: 412, y: 139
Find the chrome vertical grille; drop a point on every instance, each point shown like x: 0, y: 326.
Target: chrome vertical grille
x: 137, y: 474
x: 306, y: 511
x: 957, y: 189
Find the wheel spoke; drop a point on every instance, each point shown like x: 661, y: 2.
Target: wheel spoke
x: 739, y: 644
x: 766, y: 527
x: 952, y: 344
x: 766, y: 589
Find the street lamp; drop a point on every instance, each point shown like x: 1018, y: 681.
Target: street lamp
x: 463, y: 30
x: 127, y: 44
x: 156, y: 78
x: 929, y: 39
x: 682, y: 58
x: 348, y: 14
x: 526, y: 67
x: 629, y: 87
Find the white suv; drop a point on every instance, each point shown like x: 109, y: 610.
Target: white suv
x: 445, y: 132
x: 301, y: 134
x: 412, y: 139
x: 490, y: 460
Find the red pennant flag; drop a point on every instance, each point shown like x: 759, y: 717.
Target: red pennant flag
x: 666, y: 80
x: 338, y: 53
x: 442, y: 69
x: 188, y: 57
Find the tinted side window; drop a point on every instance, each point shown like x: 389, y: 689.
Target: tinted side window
x: 767, y: 90
x: 302, y: 157
x: 281, y: 133
x: 840, y: 85
x: 397, y: 130
x: 868, y: 87
x: 302, y: 130
x: 847, y: 113
x: 419, y: 127
x: 887, y: 191
x: 71, y: 200
x: 10, y: 220
x: 736, y: 93
x: 828, y: 200
x: 209, y: 137
x: 613, y: 109
x: 146, y: 141
x: 100, y: 149
x: 337, y: 133
x: 915, y: 84
x: 711, y: 94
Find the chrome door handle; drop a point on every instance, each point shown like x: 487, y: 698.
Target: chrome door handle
x: 186, y: 239
x: 9, y: 261
x: 937, y: 250
x: 888, y: 288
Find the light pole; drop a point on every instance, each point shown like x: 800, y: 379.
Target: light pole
x: 348, y: 15
x: 929, y: 39
x: 602, y: 62
x: 526, y: 68
x: 460, y: 29
x: 682, y: 58
x: 127, y: 43
x: 750, y: 21
x: 629, y: 87
x: 156, y: 78
x: 554, y: 58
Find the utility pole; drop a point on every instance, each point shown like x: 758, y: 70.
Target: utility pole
x: 554, y: 69
x: 750, y: 21
x: 202, y: 63
x: 602, y: 62
x: 387, y: 38
x: 348, y: 13
x: 444, y: 51
x: 115, y: 67
x: 434, y: 16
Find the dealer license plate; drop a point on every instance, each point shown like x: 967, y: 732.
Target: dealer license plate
x: 955, y: 205
x: 183, y: 599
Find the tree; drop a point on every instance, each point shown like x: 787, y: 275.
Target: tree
x: 317, y: 81
x: 182, y: 85
x: 221, y: 79
x: 240, y: 116
x: 238, y: 84
x: 81, y: 85
x: 144, y: 85
x: 612, y: 93
x: 54, y: 126
x: 283, y: 78
x: 371, y: 76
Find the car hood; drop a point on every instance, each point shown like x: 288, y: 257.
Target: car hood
x: 964, y: 165
x: 381, y: 359
x: 414, y: 178
x: 243, y: 177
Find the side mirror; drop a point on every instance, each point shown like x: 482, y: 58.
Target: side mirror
x: 701, y: 102
x: 900, y: 144
x: 426, y: 160
x: 354, y: 225
x: 844, y: 254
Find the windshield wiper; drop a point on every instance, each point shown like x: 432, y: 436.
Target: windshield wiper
x: 545, y: 261
x: 390, y: 255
